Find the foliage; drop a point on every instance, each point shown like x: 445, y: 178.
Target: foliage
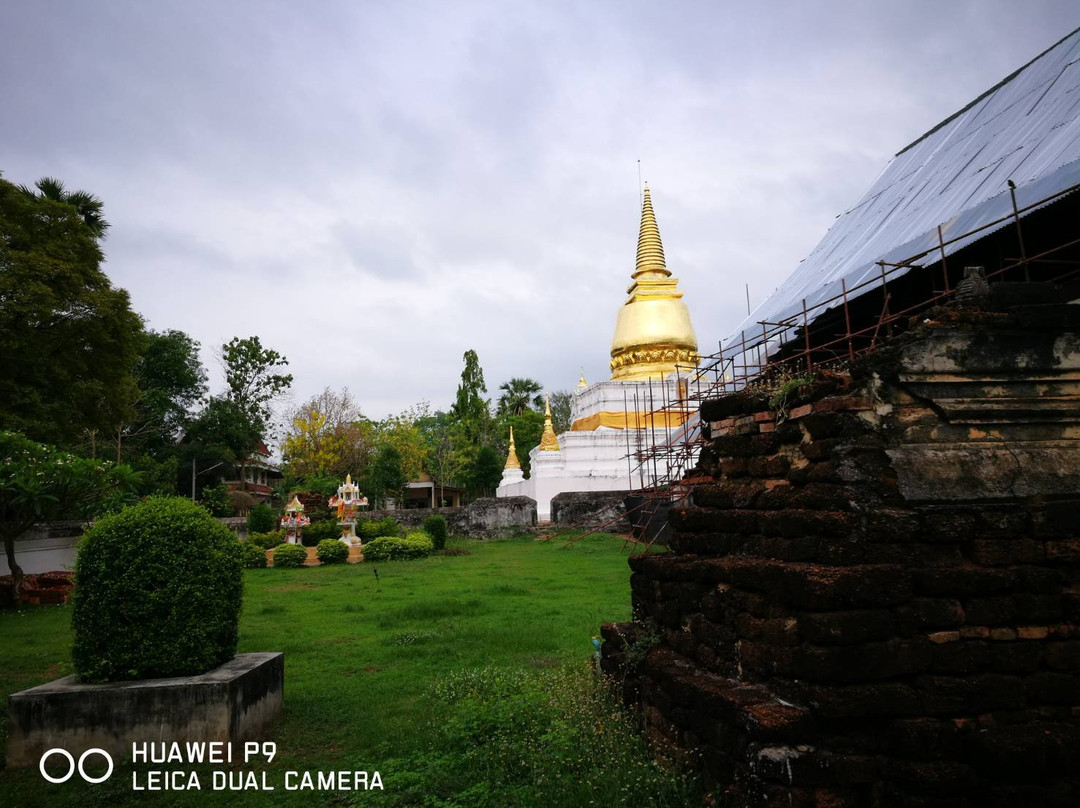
x: 252, y: 556
x: 561, y: 405
x: 484, y: 472
x: 471, y: 411
x: 171, y: 381
x: 328, y: 437
x: 519, y: 607
x: 519, y: 395
x: 39, y: 483
x: 435, y: 527
x: 289, y: 555
x: 785, y: 390
x: 373, y: 528
x: 318, y: 531
x: 518, y: 737
x: 403, y: 434
x: 332, y: 551
x: 216, y: 500
x: 158, y: 593
x: 253, y: 384
x: 240, y: 501
x: 268, y: 540
x: 312, y: 448
x: 69, y: 339
x: 88, y: 207
x: 261, y: 519
x: 221, y: 435
x: 392, y: 548
x: 443, y: 459
x: 386, y: 479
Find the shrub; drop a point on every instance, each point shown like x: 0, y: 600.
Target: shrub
x: 315, y: 533
x: 261, y: 519
x: 332, y: 551
x: 392, y: 548
x: 252, y: 556
x: 216, y: 500
x: 158, y: 593
x: 374, y: 528
x: 289, y: 555
x: 435, y: 526
x: 266, y: 541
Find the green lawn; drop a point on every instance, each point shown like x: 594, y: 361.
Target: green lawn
x: 463, y: 679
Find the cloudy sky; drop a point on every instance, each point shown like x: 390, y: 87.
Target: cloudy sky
x: 376, y: 187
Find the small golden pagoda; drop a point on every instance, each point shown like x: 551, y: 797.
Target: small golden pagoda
x: 512, y: 461
x: 548, y: 441
x: 653, y: 334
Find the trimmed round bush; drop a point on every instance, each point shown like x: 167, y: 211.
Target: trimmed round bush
x: 435, y: 526
x: 376, y: 528
x: 267, y: 541
x: 158, y: 590
x: 332, y: 551
x: 252, y: 556
x: 392, y: 548
x: 261, y: 519
x: 317, y: 531
x: 289, y: 555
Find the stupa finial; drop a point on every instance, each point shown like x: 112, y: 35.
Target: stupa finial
x: 512, y: 461
x: 548, y: 441
x: 582, y: 384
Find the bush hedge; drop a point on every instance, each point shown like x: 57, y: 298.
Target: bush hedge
x: 261, y: 519
x: 435, y: 526
x: 392, y: 548
x: 252, y: 556
x: 375, y: 528
x: 158, y: 592
x: 267, y: 541
x: 332, y: 551
x: 289, y: 555
x: 315, y: 533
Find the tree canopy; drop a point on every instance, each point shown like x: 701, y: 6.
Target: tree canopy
x: 252, y: 381
x: 519, y: 395
x: 68, y: 338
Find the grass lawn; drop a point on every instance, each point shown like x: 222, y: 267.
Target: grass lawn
x: 463, y: 679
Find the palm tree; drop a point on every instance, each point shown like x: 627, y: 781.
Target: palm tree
x: 519, y: 395
x: 89, y: 207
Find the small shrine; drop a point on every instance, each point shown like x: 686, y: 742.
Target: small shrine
x: 347, y: 503
x: 294, y: 521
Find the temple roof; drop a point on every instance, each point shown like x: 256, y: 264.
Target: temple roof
x: 1025, y: 129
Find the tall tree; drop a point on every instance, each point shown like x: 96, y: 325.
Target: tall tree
x: 89, y: 207
x: 444, y: 461
x: 519, y: 395
x: 171, y: 381
x: 252, y: 381
x: 253, y: 386
x: 471, y: 411
x: 386, y: 477
x: 219, y: 436
x: 484, y: 472
x: 69, y: 340
x: 329, y: 436
x: 561, y: 405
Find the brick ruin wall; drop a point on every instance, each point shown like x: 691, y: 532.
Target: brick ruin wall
x: 873, y: 595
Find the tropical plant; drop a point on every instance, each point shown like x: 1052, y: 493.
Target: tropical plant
x: 39, y: 483
x: 519, y: 395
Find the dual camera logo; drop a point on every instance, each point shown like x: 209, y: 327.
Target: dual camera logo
x: 73, y: 766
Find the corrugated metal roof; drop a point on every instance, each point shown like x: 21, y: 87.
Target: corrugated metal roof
x: 1027, y: 129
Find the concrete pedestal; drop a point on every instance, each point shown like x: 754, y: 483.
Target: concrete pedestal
x: 233, y: 703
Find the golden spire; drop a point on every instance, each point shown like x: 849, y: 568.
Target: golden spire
x: 511, y: 456
x: 653, y: 334
x: 582, y: 384
x: 548, y: 441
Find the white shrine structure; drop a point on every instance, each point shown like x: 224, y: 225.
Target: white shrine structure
x: 653, y: 357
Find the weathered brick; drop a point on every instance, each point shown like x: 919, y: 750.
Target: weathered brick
x: 1001, y: 552
x: 939, y: 637
x: 846, y: 628
x: 818, y: 588
x: 1015, y: 657
x: 924, y: 738
x: 1063, y: 656
x: 964, y: 581
x: 798, y: 522
x: 966, y: 656
x: 860, y: 663
x: 1051, y: 687
x: 1063, y: 551
x: 861, y: 700
x: 774, y: 466
x: 800, y: 411
x: 1002, y: 634
x: 937, y: 612
x: 1032, y: 632
x: 745, y: 445
x: 701, y: 543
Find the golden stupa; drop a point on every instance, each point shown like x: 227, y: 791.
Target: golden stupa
x: 512, y: 461
x: 548, y: 441
x: 653, y: 335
